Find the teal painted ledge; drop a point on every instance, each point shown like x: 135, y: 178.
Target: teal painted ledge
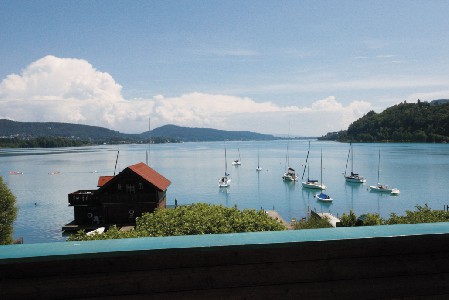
x: 65, y: 250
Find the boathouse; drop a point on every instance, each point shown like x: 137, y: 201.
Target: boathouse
x: 119, y: 199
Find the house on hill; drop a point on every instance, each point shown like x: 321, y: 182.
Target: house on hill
x: 119, y: 199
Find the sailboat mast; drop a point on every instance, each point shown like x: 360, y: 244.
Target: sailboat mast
x: 115, y: 168
x: 378, y: 169
x: 352, y: 160
x: 321, y: 166
x: 347, y: 159
x: 226, y: 164
x: 305, y: 165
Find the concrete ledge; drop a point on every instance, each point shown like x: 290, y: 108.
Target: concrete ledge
x: 381, y: 262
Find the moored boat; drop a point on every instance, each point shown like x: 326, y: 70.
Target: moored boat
x: 323, y: 197
x: 225, y: 181
x: 383, y: 188
x: 15, y: 173
x: 290, y: 175
x: 352, y: 177
x: 311, y: 183
x: 238, y: 161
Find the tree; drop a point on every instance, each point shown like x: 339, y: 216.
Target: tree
x: 8, y: 213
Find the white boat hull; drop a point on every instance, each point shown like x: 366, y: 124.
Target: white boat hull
x: 314, y: 185
x: 381, y: 188
x: 287, y: 177
x: 323, y: 197
x: 356, y: 179
x: 224, y: 182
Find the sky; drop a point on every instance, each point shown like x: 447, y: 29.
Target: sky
x: 296, y: 67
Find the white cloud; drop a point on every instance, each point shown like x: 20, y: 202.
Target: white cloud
x: 236, y: 113
x: 72, y: 90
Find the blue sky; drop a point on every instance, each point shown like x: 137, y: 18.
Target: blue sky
x: 232, y: 65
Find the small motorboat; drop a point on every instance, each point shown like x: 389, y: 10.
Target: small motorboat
x: 323, y: 197
x: 15, y: 173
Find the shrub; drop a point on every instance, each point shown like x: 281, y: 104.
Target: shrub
x: 311, y: 223
x: 348, y: 220
x: 199, y: 218
x: 8, y: 213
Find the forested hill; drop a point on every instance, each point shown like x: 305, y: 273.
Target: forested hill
x: 405, y: 122
x: 52, y: 134
x: 205, y: 134
x: 10, y: 128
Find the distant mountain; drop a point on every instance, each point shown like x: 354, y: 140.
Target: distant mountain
x: 96, y: 135
x: 189, y: 134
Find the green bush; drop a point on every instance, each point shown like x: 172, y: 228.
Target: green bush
x: 193, y: 219
x: 349, y: 220
x: 423, y: 214
x: 8, y: 213
x: 311, y: 223
x: 372, y: 220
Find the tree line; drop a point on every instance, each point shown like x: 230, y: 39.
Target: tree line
x: 55, y: 142
x: 405, y: 122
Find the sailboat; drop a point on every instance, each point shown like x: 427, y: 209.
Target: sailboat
x: 353, y: 177
x: 383, y: 188
x: 238, y: 161
x: 290, y: 174
x: 322, y: 196
x: 311, y: 183
x: 225, y: 181
x: 258, y: 164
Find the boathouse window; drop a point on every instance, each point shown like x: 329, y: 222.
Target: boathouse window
x: 130, y: 188
x: 119, y: 187
x: 140, y: 186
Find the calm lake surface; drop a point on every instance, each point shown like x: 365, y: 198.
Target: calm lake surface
x: 420, y: 171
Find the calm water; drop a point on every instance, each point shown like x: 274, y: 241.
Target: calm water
x: 420, y: 171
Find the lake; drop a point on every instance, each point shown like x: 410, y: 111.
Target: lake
x: 420, y: 171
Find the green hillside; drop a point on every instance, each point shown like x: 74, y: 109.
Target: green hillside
x: 188, y: 134
x: 404, y: 122
x: 53, y: 134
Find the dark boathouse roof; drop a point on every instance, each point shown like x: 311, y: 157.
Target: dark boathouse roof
x: 144, y: 171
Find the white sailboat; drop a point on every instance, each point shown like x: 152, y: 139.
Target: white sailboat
x: 225, y: 181
x: 258, y: 162
x: 311, y: 183
x: 383, y: 188
x: 290, y: 174
x: 322, y: 196
x: 353, y: 177
x: 238, y: 161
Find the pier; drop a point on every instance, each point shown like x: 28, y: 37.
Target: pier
x: 273, y: 214
x: 333, y: 220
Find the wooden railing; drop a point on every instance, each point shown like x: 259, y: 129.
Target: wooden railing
x: 382, y: 262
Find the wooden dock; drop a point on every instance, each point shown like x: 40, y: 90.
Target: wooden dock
x: 273, y: 214
x: 333, y: 220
